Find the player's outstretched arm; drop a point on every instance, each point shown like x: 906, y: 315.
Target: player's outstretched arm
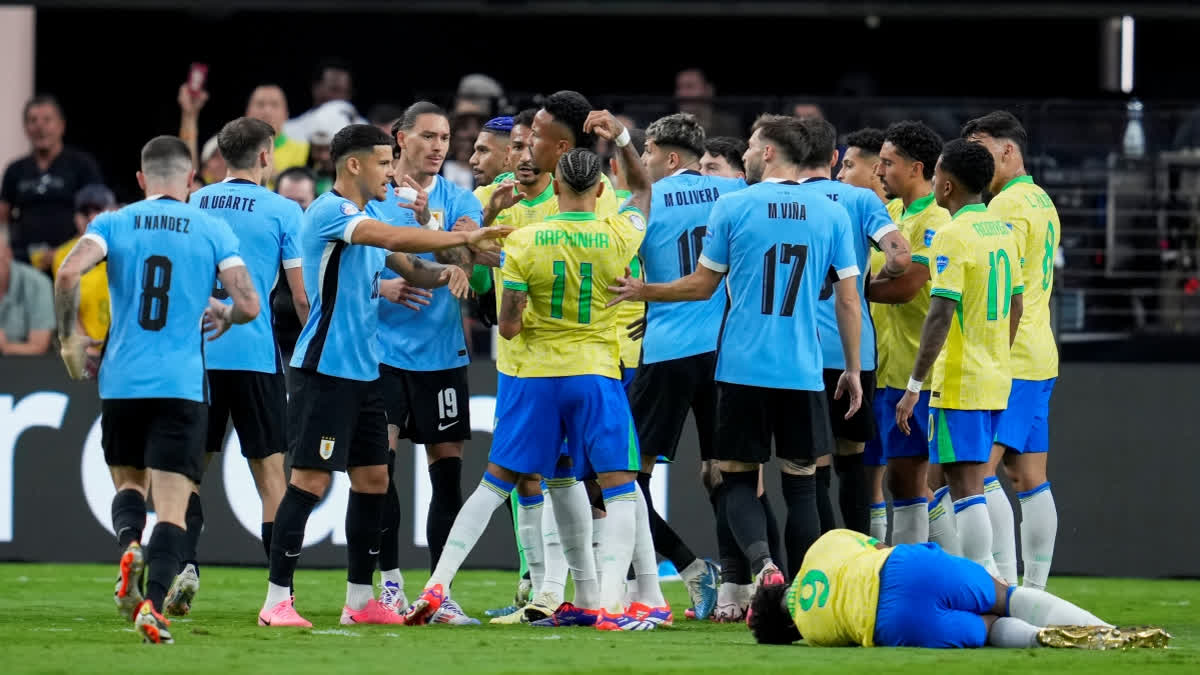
x: 371, y: 232
x: 459, y: 255
x: 74, y: 344
x: 512, y: 308
x: 424, y: 274
x: 699, y: 285
x: 605, y: 125
x: 933, y: 337
x: 848, y: 310
x: 900, y: 289
x: 1016, y: 309
x: 896, y: 253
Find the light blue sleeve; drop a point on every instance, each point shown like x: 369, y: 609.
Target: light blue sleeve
x: 335, y: 219
x: 715, y: 255
x: 876, y: 222
x: 101, y: 226
x: 467, y: 205
x: 844, y: 259
x: 293, y: 216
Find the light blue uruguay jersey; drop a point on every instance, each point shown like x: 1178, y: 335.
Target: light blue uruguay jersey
x: 431, y: 339
x: 163, y: 257
x: 679, y: 212
x: 342, y: 282
x: 870, y: 221
x: 267, y: 227
x: 774, y: 241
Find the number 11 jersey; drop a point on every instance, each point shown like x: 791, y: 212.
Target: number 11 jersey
x: 163, y: 257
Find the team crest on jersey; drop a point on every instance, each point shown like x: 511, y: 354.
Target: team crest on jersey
x: 1009, y: 225
x: 326, y: 450
x: 438, y: 221
x: 639, y: 223
x: 502, y: 258
x: 349, y: 209
x: 942, y: 261
x: 929, y: 238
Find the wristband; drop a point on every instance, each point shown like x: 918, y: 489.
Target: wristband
x: 623, y: 139
x: 915, y: 385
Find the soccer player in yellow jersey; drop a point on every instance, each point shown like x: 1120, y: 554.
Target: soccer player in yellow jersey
x: 1022, y: 432
x: 906, y: 161
x: 94, y: 312
x: 853, y: 590
x: 973, y: 315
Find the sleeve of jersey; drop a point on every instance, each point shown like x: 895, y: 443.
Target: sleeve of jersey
x: 225, y: 245
x: 99, y: 229
x: 877, y: 221
x: 949, y: 266
x: 291, y: 255
x: 1018, y: 280
x: 336, y: 219
x: 715, y: 251
x: 510, y: 265
x: 844, y: 259
x: 607, y: 203
x: 633, y: 224
x: 468, y: 205
x: 919, y: 242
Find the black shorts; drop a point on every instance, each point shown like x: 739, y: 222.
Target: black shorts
x: 335, y: 423
x: 861, y: 427
x: 431, y: 406
x: 257, y: 402
x: 749, y: 417
x: 166, y: 434
x: 660, y: 397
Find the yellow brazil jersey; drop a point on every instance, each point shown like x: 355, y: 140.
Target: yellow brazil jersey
x: 527, y: 212
x: 879, y: 314
x: 976, y: 264
x: 289, y: 152
x: 1034, y: 221
x: 833, y: 599
x: 564, y: 265
x: 95, y: 312
x: 919, y: 224
x: 628, y: 312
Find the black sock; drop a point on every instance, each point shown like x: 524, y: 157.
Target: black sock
x: 824, y: 504
x: 364, y: 514
x: 291, y: 517
x: 444, y: 505
x: 389, y: 537
x: 195, y: 525
x: 852, y: 492
x: 666, y: 542
x: 735, y: 569
x: 746, y: 518
x: 128, y: 516
x: 772, y: 529
x: 266, y: 538
x: 803, y: 526
x: 164, y: 556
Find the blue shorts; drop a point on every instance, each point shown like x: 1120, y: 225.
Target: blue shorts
x: 627, y: 375
x: 929, y: 598
x: 893, y: 441
x: 1024, y: 426
x: 961, y: 435
x: 534, y: 414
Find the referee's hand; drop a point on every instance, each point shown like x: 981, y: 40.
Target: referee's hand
x: 850, y: 382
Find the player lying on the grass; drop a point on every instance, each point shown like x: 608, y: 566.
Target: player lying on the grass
x: 853, y: 590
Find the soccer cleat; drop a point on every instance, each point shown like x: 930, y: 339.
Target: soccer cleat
x: 372, y: 613
x: 1103, y: 637
x: 542, y: 607
x: 182, y: 592
x: 392, y: 597
x: 659, y: 616
x: 608, y: 621
x: 568, y: 614
x: 501, y: 612
x: 768, y: 576
x: 728, y: 612
x: 128, y: 592
x: 152, y: 625
x: 426, y: 605
x: 703, y: 590
x: 516, y: 616
x: 283, y: 614
x: 452, y: 615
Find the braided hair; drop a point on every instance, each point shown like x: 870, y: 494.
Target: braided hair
x: 579, y: 169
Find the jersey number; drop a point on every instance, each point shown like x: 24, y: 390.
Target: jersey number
x: 797, y: 256
x: 560, y: 288
x: 447, y: 403
x: 993, y: 301
x: 1048, y: 257
x: 814, y: 589
x: 156, y: 282
x: 690, y: 246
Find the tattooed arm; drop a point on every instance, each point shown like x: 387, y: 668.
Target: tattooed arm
x: 895, y: 249
x: 512, y: 307
x: 424, y: 274
x: 74, y: 343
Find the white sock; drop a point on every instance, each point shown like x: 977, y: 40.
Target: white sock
x: 1014, y: 633
x: 729, y: 594
x: 275, y: 595
x: 573, y: 513
x: 555, y: 579
x: 616, y: 551
x: 358, y: 595
x: 943, y: 528
x: 1004, y: 534
x: 975, y: 531
x: 597, y: 537
x: 910, y: 521
x: 529, y: 536
x: 645, y: 561
x: 468, y: 527
x: 693, y: 570
x: 1042, y: 609
x: 1039, y: 525
x: 879, y: 521
x: 394, y: 576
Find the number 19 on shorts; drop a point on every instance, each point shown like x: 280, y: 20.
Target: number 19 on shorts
x: 447, y: 403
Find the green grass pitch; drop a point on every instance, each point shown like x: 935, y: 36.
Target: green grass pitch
x: 61, y: 619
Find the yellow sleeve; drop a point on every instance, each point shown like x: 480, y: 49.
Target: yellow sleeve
x: 1018, y: 281
x: 631, y: 224
x: 512, y: 262
x: 949, y: 263
x: 919, y: 241
x: 607, y: 203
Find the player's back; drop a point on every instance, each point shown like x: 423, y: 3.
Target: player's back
x: 834, y: 597
x: 976, y: 264
x: 673, y: 244
x: 565, y: 265
x: 775, y: 241
x: 1030, y: 212
x: 163, y: 257
x: 267, y: 226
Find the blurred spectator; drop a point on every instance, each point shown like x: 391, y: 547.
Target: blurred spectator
x: 463, y: 130
x: 267, y: 103
x: 320, y: 160
x: 384, y: 115
x: 94, y: 309
x: 804, y: 110
x: 694, y: 94
x: 26, y: 305
x: 38, y: 191
x: 479, y: 94
x: 212, y: 164
x: 723, y: 157
x: 297, y: 184
x: 331, y: 84
x: 190, y: 104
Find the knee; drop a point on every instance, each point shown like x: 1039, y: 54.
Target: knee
x: 313, y: 481
x: 372, y: 480
x: 798, y: 468
x: 710, y: 476
x: 439, y: 451
x: 732, y: 466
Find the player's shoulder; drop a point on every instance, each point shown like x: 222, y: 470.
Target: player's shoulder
x: 454, y: 191
x: 332, y: 204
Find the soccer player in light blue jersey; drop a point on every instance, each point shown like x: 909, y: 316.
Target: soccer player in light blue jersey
x: 164, y: 258
x: 774, y: 242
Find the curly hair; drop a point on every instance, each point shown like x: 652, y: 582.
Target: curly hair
x: 999, y: 124
x: 680, y: 130
x: 868, y: 140
x: 916, y: 142
x: 570, y: 109
x: 768, y: 619
x: 579, y: 168
x: 970, y: 163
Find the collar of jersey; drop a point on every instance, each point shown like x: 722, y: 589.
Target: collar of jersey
x: 546, y: 194
x: 1019, y: 179
x: 432, y: 185
x: 238, y: 181
x: 690, y: 172
x: 785, y: 181
x: 969, y: 208
x: 151, y: 198
x: 918, y: 205
x: 573, y: 215
x: 623, y: 194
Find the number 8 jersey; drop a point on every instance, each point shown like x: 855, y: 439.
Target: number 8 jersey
x: 163, y: 257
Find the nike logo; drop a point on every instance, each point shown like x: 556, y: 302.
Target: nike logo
x: 292, y: 555
x: 265, y: 622
x: 443, y: 427
x: 374, y: 552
